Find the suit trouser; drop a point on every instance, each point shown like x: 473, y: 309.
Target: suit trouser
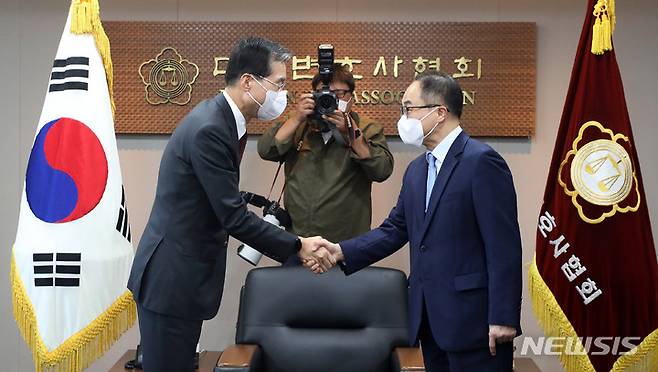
x: 439, y: 360
x: 168, y: 343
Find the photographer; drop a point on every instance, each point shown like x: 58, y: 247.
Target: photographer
x: 330, y: 162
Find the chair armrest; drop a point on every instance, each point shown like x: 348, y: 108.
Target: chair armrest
x: 408, y: 359
x: 238, y: 358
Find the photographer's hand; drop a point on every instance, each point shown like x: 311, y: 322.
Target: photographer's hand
x: 339, y: 120
x: 304, y: 107
x: 359, y: 145
x: 361, y: 148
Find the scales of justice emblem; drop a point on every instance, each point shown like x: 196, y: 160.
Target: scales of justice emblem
x: 601, y: 173
x: 168, y: 78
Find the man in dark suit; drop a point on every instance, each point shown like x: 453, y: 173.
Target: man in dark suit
x: 177, y: 276
x: 457, y: 209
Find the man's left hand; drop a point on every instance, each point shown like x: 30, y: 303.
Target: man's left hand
x: 500, y: 334
x: 359, y: 145
x: 339, y: 120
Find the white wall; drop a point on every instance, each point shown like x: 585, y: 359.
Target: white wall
x: 30, y: 30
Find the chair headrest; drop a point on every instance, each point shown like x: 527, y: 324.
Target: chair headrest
x: 294, y: 297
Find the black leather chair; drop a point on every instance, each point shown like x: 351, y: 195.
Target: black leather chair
x: 293, y: 321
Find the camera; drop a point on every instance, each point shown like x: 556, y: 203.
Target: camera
x: 272, y: 213
x: 326, y: 101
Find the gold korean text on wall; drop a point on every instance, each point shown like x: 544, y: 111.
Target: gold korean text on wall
x: 163, y: 69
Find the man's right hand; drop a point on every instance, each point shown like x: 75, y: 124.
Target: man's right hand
x: 335, y: 252
x: 304, y: 107
x: 314, y: 249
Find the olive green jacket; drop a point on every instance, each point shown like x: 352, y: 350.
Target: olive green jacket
x: 327, y: 186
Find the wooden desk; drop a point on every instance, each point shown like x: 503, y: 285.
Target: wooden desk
x: 525, y: 365
x: 207, y: 361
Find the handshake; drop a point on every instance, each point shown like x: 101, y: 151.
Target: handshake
x: 319, y: 255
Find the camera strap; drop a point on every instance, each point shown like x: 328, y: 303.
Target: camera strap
x: 350, y: 129
x: 278, y: 170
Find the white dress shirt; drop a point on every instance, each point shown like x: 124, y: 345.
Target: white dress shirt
x: 441, y: 150
x: 240, y: 121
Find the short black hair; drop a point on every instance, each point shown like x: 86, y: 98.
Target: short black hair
x: 254, y: 55
x: 440, y: 88
x: 341, y: 74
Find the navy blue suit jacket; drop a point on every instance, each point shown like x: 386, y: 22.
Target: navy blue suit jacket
x: 465, y: 251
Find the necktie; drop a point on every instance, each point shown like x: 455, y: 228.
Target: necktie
x: 243, y: 145
x: 431, y: 177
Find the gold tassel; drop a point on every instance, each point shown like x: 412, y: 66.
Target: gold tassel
x: 85, y: 19
x: 556, y: 324
x: 606, y: 32
x: 80, y: 350
x: 612, y: 15
x: 81, y: 17
x: 644, y: 357
x: 596, y: 37
x: 603, y: 26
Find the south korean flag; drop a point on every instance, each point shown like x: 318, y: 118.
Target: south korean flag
x: 72, y: 254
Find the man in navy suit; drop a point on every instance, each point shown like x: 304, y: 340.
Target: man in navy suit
x: 457, y: 209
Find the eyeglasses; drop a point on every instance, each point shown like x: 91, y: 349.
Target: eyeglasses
x: 404, y: 110
x: 340, y: 93
x: 279, y: 86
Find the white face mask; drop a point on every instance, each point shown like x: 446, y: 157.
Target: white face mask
x: 274, y: 105
x: 411, y: 130
x: 342, y: 105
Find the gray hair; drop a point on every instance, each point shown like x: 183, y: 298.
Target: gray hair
x: 440, y: 88
x: 254, y: 55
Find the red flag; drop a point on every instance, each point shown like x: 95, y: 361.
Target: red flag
x: 595, y: 272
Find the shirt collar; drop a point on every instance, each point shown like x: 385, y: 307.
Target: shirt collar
x: 326, y: 136
x: 441, y: 150
x: 240, y: 121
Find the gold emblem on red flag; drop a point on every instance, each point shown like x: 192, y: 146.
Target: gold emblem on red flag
x: 601, y: 174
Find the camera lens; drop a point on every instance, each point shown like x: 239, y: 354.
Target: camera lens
x: 327, y: 104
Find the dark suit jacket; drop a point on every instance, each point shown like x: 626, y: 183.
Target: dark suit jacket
x: 465, y: 252
x: 180, y: 263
